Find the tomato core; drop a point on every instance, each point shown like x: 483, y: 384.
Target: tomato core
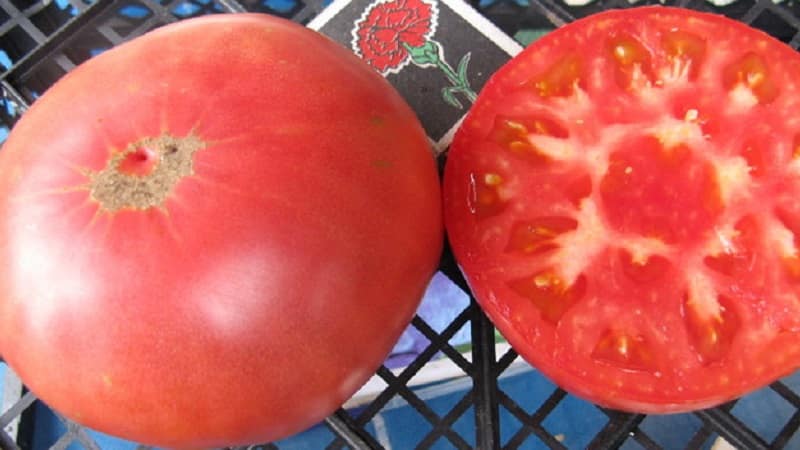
x: 143, y: 175
x: 139, y: 162
x: 639, y: 171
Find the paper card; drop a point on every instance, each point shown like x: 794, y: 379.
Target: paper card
x: 438, y: 54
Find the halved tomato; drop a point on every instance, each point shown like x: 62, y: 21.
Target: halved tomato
x: 624, y: 199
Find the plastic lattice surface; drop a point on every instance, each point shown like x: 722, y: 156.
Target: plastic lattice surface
x: 42, y: 40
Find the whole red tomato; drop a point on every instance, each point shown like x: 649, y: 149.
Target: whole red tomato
x: 623, y: 199
x: 213, y: 235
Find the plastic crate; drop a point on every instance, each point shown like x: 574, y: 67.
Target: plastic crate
x: 494, y: 400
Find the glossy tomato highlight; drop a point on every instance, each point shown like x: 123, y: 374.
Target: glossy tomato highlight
x: 214, y: 234
x: 623, y: 199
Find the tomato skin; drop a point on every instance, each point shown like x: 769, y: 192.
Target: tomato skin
x: 677, y: 290
x: 271, y: 282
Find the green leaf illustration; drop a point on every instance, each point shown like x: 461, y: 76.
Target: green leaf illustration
x: 462, y: 68
x: 450, y: 98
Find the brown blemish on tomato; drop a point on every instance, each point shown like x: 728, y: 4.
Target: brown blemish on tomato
x: 383, y: 163
x: 144, y: 174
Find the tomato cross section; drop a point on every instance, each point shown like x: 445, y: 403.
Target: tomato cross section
x: 623, y: 201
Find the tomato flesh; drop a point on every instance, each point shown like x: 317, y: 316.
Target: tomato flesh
x: 640, y: 243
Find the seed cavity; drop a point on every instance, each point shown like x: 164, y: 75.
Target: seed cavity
x: 685, y: 51
x: 629, y: 351
x: 513, y: 134
x: 750, y: 72
x: 729, y: 250
x: 754, y: 153
x: 561, y: 79
x: 711, y: 332
x: 643, y: 270
x: 796, y: 146
x: 578, y: 189
x: 633, y: 62
x: 549, y: 293
x: 537, y: 235
x: 784, y: 236
x: 485, y: 198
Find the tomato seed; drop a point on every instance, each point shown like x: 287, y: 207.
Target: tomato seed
x: 789, y: 220
x: 513, y: 134
x: 712, y: 335
x: 791, y: 266
x: 684, y: 50
x: 484, y: 195
x: 492, y: 179
x: 633, y: 61
x: 536, y: 236
x: 560, y: 79
x: 736, y: 257
x: 629, y: 351
x: 548, y: 293
x: 751, y: 72
x: 652, y: 269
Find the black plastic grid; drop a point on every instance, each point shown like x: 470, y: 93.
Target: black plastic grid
x: 42, y: 40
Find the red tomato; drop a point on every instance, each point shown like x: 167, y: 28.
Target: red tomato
x: 214, y: 234
x: 623, y: 199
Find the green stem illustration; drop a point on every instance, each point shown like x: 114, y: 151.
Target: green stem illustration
x: 430, y: 54
x: 457, y: 81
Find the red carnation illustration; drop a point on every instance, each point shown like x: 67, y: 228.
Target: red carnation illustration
x: 391, y: 34
x: 385, y: 27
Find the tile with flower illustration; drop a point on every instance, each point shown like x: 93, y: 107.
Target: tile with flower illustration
x: 438, y: 54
